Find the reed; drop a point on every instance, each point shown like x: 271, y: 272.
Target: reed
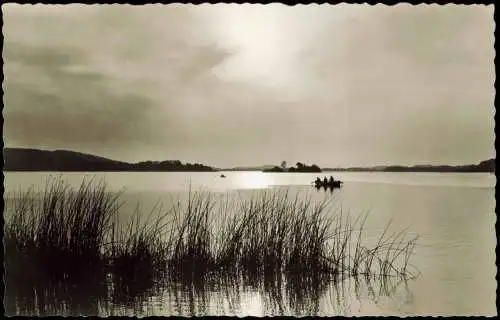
x: 65, y: 231
x: 59, y: 230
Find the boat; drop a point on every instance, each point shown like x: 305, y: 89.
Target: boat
x: 334, y: 184
x: 222, y: 176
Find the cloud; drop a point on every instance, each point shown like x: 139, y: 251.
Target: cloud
x: 50, y: 102
x: 409, y: 83
x: 100, y: 78
x: 249, y: 84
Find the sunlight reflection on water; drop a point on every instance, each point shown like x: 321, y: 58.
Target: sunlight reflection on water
x: 254, y: 180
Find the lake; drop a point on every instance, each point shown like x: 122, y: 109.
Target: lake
x: 453, y: 214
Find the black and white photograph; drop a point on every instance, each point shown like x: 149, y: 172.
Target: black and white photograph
x: 249, y: 160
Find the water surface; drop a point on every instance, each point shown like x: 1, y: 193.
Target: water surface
x: 453, y: 213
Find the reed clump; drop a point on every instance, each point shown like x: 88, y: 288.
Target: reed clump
x: 66, y: 232
x: 59, y: 230
x: 276, y: 233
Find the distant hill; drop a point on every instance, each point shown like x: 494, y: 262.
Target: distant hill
x: 21, y: 159
x: 483, y: 166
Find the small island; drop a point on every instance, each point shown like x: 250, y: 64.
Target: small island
x: 300, y: 167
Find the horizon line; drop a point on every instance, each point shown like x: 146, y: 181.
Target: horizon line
x: 251, y: 166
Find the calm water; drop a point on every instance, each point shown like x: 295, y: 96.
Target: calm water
x: 454, y: 215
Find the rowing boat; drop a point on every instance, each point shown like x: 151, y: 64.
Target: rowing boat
x: 334, y: 184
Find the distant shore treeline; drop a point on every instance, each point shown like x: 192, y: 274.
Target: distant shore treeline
x: 20, y: 159
x: 483, y: 166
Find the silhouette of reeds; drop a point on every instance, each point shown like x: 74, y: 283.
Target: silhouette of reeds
x: 59, y: 231
x: 274, y: 233
x: 63, y: 234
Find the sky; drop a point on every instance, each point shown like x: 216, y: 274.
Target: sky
x: 236, y: 85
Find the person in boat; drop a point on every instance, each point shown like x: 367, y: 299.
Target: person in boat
x: 325, y: 181
x: 331, y: 180
x: 318, y: 181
